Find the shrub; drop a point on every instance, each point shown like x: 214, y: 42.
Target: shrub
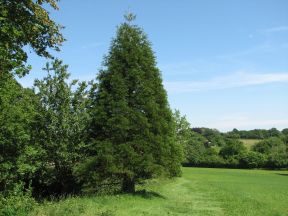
x: 214, y: 161
x: 252, y: 160
x: 276, y: 151
x: 232, y: 162
x: 16, y: 202
x: 277, y: 160
x: 265, y: 146
x: 232, y: 148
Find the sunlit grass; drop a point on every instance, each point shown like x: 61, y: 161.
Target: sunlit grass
x: 201, y: 191
x: 249, y: 142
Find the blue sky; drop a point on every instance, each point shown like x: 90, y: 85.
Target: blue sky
x: 224, y: 63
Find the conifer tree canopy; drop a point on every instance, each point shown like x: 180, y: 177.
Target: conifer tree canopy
x: 132, y: 121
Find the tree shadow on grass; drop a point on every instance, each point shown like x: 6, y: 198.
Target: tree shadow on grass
x: 148, y: 194
x: 282, y: 174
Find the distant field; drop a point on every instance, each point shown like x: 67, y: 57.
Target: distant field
x: 201, y: 191
x: 249, y: 142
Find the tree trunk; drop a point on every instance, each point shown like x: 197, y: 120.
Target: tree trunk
x: 128, y: 184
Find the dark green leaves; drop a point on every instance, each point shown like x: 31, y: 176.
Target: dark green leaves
x: 26, y: 23
x: 132, y: 113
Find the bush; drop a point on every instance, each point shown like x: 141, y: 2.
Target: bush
x: 278, y: 160
x: 213, y: 161
x: 16, y: 202
x: 266, y: 145
x: 232, y: 162
x: 252, y: 160
x: 276, y: 151
x: 232, y: 148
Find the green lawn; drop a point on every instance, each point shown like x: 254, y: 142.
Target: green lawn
x: 201, y: 191
x: 249, y: 142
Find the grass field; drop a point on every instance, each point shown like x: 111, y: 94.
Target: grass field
x: 249, y: 142
x: 201, y: 191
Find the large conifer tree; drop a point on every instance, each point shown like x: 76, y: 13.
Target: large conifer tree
x: 132, y: 122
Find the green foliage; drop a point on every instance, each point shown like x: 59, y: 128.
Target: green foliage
x: 195, y: 149
x: 213, y: 136
x: 285, y: 131
x: 276, y: 151
x: 183, y: 133
x: 273, y: 132
x: 232, y: 148
x: 234, y: 134
x: 252, y: 160
x: 202, y: 147
x: 278, y: 156
x: 17, y: 202
x: 96, y: 170
x: 230, y: 151
x: 254, y: 134
x: 25, y: 23
x: 132, y: 114
x: 18, y: 156
x: 266, y: 145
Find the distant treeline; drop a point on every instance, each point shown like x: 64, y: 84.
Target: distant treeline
x: 256, y: 133
x: 205, y: 147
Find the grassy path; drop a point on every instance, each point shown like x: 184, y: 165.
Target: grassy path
x: 246, y: 192
x: 200, y: 191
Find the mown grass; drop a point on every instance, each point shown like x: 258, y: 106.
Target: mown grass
x: 249, y: 142
x: 201, y: 191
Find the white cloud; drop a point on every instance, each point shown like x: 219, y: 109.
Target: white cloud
x: 239, y: 79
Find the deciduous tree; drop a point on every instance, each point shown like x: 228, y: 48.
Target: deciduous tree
x: 26, y: 23
x: 60, y: 129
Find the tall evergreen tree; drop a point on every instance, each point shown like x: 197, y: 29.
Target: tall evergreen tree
x: 132, y: 127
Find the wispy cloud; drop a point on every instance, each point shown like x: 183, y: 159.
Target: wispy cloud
x: 239, y: 79
x: 275, y: 29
